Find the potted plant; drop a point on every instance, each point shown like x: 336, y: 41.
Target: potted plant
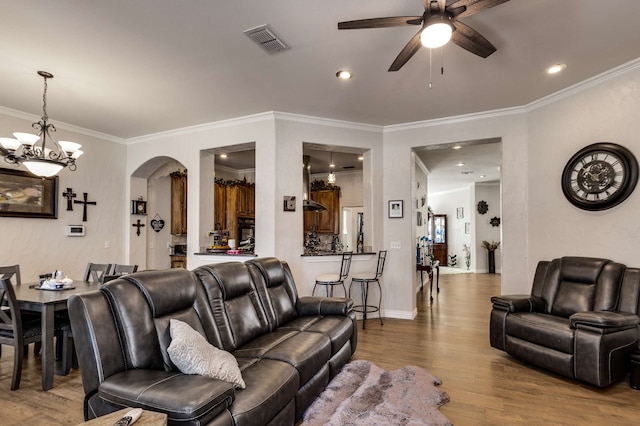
x: 491, y: 252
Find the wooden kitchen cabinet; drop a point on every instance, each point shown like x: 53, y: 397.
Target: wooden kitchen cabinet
x: 178, y: 203
x: 219, y: 206
x: 326, y: 221
x: 178, y: 261
x: 240, y: 202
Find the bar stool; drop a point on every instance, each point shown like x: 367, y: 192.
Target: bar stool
x: 331, y: 280
x: 364, y: 278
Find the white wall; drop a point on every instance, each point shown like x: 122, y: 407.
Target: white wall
x: 605, y: 111
x: 484, y: 231
x: 41, y: 245
x: 448, y: 203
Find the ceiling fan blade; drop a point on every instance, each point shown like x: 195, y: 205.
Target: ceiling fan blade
x: 407, y: 52
x: 471, y: 40
x: 392, y: 21
x: 474, y: 6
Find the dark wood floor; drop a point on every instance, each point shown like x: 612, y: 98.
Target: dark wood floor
x: 449, y: 338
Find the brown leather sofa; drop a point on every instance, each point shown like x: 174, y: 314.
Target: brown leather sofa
x: 580, y: 320
x: 288, y: 348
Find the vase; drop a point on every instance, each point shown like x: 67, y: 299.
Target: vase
x: 492, y: 261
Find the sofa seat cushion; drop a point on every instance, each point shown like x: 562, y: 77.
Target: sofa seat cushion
x: 338, y: 329
x: 540, y: 329
x: 271, y: 385
x: 199, y: 400
x: 307, y: 352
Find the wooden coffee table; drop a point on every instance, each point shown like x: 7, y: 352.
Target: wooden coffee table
x: 148, y: 418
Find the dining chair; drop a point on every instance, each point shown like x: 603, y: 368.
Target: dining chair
x: 12, y: 273
x: 13, y: 331
x: 96, y: 271
x: 117, y: 269
x: 332, y: 280
x: 364, y: 279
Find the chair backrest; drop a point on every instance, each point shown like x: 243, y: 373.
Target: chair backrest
x: 8, y: 272
x: 346, y: 265
x: 382, y: 256
x: 117, y: 269
x: 96, y: 272
x: 9, y: 318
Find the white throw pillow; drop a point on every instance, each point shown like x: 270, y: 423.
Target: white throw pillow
x: 192, y: 354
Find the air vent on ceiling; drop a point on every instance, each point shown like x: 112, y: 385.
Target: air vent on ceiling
x: 264, y: 36
x: 348, y: 167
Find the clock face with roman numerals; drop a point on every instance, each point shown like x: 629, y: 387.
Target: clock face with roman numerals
x: 600, y: 176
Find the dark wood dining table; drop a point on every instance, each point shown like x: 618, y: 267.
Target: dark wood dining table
x: 47, y: 302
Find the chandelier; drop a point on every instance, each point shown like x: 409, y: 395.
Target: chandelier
x: 32, y: 150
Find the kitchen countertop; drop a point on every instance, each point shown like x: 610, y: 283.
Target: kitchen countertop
x: 225, y: 254
x: 329, y: 253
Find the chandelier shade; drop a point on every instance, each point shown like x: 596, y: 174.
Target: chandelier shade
x: 39, y: 153
x: 332, y: 176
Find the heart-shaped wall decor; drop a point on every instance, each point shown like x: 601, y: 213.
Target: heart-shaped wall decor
x: 157, y: 224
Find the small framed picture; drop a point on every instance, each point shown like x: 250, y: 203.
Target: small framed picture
x: 138, y: 207
x: 460, y: 213
x: 395, y: 209
x: 467, y: 227
x: 419, y: 219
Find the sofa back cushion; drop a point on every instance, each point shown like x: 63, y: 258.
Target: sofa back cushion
x: 630, y: 292
x: 276, y: 289
x: 576, y: 284
x: 236, y: 308
x: 169, y: 294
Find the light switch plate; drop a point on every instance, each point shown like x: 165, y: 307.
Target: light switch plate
x: 396, y: 245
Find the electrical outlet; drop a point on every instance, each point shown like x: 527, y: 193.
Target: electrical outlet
x: 107, y: 244
x: 150, y: 245
x: 396, y: 245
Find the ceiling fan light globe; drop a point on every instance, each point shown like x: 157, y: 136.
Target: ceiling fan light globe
x: 436, y: 35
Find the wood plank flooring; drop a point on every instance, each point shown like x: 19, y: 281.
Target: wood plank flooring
x: 449, y: 338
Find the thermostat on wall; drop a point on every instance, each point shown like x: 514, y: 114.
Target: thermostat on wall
x: 75, y: 230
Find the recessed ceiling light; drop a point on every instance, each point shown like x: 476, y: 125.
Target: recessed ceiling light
x: 457, y: 147
x: 483, y: 176
x: 460, y: 164
x: 223, y: 155
x: 344, y: 74
x: 361, y: 158
x: 554, y: 69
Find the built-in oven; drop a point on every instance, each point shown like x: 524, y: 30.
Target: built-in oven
x: 246, y: 228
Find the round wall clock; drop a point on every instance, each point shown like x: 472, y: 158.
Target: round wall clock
x: 600, y: 176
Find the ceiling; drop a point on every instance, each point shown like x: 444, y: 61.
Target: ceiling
x: 133, y: 68
x: 130, y: 69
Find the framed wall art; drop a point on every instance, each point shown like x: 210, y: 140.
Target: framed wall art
x: 25, y: 195
x: 395, y: 209
x: 460, y: 213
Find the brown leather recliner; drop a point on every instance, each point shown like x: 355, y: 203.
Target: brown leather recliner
x: 580, y: 321
x: 288, y: 348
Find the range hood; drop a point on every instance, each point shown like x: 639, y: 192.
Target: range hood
x: 307, y: 203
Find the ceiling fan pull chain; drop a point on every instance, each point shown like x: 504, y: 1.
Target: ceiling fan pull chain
x: 442, y: 60
x: 430, y: 85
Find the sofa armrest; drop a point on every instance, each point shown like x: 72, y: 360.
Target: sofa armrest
x: 183, y: 397
x: 518, y: 303
x: 311, y: 305
x: 608, y: 321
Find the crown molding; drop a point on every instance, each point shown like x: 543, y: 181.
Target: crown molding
x: 61, y: 125
x: 307, y: 119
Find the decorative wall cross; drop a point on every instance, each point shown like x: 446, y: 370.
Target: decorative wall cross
x: 69, y: 195
x: 85, y: 203
x: 138, y: 225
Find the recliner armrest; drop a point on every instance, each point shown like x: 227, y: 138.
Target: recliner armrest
x: 313, y: 305
x: 518, y: 303
x: 605, y: 320
x: 183, y: 397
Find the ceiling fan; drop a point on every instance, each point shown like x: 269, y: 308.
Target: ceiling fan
x: 440, y: 23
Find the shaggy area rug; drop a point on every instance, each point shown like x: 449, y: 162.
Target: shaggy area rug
x: 365, y: 394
